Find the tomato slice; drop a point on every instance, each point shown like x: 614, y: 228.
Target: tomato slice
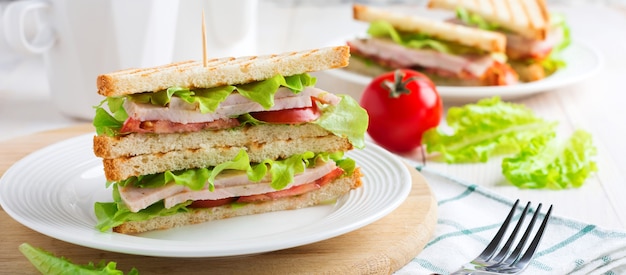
x: 289, y: 116
x: 211, y: 203
x: 296, y: 190
x: 132, y: 125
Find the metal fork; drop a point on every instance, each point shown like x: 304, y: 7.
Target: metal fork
x: 505, y: 261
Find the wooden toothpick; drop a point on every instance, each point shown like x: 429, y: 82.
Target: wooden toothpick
x: 204, y: 53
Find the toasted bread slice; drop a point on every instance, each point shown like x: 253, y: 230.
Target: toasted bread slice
x: 529, y: 18
x: 135, y: 144
x: 141, y: 154
x: 328, y: 192
x: 219, y: 72
x: 471, y: 37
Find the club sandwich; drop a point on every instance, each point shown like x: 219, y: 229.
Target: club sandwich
x: 535, y: 37
x: 186, y: 143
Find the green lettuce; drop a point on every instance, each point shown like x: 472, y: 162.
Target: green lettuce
x: 207, y: 99
x: 381, y: 28
x: 263, y: 92
x: 547, y: 162
x: 109, y: 123
x: 47, y: 263
x: 111, y: 214
x: 346, y: 119
x: 488, y: 128
x: 475, y: 20
x: 384, y: 29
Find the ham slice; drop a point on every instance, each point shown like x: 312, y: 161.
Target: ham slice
x: 132, y: 125
x: 235, y: 104
x: 227, y: 185
x: 137, y: 198
x: 399, y: 56
x: 519, y: 47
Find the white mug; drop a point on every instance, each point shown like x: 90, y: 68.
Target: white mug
x: 230, y: 29
x: 9, y: 56
x: 81, y: 39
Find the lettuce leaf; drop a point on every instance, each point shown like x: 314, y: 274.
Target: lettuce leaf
x: 380, y: 28
x: 263, y: 92
x: 547, y: 162
x: 161, y: 98
x: 47, y: 263
x: 475, y: 20
x: 209, y: 99
x: 346, y: 119
x: 110, y: 123
x: 488, y: 128
x: 384, y: 29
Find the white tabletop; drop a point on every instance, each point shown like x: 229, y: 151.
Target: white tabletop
x: 596, y: 104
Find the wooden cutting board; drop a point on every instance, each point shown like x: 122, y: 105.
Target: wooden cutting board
x: 379, y: 248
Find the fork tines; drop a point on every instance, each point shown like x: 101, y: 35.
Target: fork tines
x: 503, y: 259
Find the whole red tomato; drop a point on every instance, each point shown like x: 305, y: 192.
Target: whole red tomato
x: 401, y: 105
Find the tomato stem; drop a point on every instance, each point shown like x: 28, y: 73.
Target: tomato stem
x: 398, y: 87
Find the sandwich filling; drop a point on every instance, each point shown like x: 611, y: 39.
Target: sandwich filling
x: 283, y: 100
x: 393, y: 49
x: 228, y: 184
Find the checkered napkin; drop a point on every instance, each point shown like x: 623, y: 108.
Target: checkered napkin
x: 470, y: 215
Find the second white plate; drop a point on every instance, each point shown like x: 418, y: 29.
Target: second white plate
x: 53, y: 191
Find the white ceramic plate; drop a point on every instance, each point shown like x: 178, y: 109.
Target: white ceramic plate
x: 582, y: 62
x: 53, y: 191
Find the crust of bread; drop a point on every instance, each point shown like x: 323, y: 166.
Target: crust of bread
x: 528, y: 72
x: 117, y: 169
x: 220, y: 72
x: 328, y: 192
x: 472, y: 37
x: 529, y: 18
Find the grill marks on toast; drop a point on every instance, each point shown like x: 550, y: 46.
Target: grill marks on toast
x: 529, y: 18
x: 222, y: 71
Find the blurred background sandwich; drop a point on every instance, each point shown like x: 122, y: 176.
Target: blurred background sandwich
x: 535, y: 37
x: 450, y: 54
